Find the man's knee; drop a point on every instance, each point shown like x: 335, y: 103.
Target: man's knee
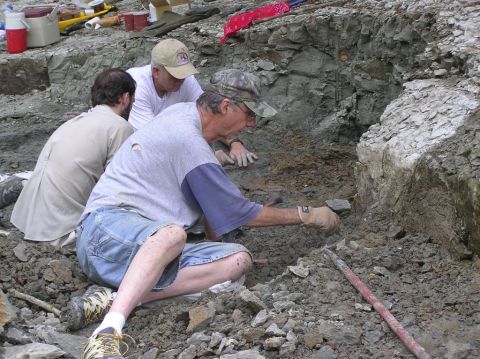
x: 242, y: 262
x: 171, y: 236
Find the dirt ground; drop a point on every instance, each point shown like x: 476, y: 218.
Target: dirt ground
x: 436, y: 298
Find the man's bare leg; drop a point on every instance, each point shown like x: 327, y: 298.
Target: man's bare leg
x: 197, y: 278
x: 143, y: 273
x: 147, y: 268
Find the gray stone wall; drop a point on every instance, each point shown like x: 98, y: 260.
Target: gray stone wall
x: 330, y: 72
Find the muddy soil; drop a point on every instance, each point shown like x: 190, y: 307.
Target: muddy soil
x: 434, y: 297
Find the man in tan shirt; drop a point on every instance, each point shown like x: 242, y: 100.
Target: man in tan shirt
x: 72, y: 161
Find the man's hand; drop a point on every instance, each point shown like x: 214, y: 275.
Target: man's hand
x: 223, y: 158
x: 241, y: 155
x: 322, y: 218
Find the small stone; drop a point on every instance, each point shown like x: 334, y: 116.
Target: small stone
x: 33, y: 350
x: 26, y: 314
x: 16, y: 336
x: 364, y: 307
x: 69, y: 343
x: 388, y: 304
x: 440, y: 72
x: 171, y: 354
x: 395, y: 232
x: 291, y: 337
x: 325, y: 352
x: 252, y: 300
x: 299, y: 271
x: 281, y: 319
x: 227, y: 343
x: 237, y: 316
x: 372, y: 336
x: 339, y: 205
x: 19, y: 252
x: 274, y: 330
x: 273, y: 343
x: 289, y: 325
x: 283, y: 305
x: 261, y: 317
x: 198, y: 338
x: 253, y: 335
x: 381, y: 270
x: 48, y: 275
x: 7, y: 311
x: 151, y: 354
x: 189, y: 353
x: 244, y: 354
x: 287, y: 349
x: 61, y: 270
x: 312, y: 339
x: 216, y: 338
x: 266, y: 65
x: 200, y: 317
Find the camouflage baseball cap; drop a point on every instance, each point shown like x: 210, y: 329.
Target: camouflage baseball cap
x: 242, y: 86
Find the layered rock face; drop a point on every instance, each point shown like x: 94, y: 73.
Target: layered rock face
x: 331, y: 71
x: 421, y: 161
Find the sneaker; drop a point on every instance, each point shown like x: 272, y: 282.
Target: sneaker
x: 106, y: 344
x: 90, y: 308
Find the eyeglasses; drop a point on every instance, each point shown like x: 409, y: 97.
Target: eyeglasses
x: 249, y: 113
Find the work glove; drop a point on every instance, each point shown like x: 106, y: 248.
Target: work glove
x: 223, y: 158
x: 322, y: 218
x: 241, y: 155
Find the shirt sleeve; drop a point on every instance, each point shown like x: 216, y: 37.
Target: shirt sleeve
x: 194, y: 90
x: 142, y: 109
x: 117, y: 139
x: 208, y: 189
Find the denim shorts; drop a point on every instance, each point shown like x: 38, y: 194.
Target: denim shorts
x: 109, y: 237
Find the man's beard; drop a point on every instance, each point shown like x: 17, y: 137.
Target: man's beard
x: 126, y: 112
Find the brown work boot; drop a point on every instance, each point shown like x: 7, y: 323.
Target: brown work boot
x: 90, y: 308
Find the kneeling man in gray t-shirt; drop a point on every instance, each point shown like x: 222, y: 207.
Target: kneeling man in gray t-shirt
x: 161, y: 181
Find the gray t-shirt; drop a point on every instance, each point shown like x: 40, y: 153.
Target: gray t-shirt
x: 167, y: 172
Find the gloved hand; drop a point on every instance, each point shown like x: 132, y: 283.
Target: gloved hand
x: 322, y: 218
x: 223, y: 158
x: 241, y: 155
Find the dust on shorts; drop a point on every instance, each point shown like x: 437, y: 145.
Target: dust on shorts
x: 109, y: 237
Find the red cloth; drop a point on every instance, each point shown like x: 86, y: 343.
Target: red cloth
x: 245, y: 19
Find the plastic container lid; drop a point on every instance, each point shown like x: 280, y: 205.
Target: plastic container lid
x: 37, y: 11
x: 95, y: 3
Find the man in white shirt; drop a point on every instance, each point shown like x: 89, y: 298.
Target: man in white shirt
x: 169, y: 80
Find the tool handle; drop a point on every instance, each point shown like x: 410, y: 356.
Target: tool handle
x: 295, y: 2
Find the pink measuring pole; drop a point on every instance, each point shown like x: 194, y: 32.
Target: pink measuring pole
x: 404, y: 336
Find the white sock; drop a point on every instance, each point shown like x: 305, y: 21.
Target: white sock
x: 113, y: 320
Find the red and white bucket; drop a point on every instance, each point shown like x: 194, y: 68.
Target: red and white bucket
x: 140, y: 20
x: 16, y: 28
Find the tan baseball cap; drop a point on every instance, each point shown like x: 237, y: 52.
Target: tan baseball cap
x: 174, y: 56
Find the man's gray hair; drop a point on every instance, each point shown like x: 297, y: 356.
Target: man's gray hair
x: 211, y: 101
